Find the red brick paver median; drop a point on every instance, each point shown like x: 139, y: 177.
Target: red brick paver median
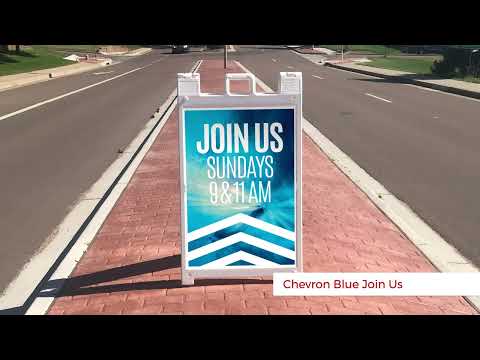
x: 133, y: 264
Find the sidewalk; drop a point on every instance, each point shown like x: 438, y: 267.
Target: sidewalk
x: 458, y: 87
x: 138, y: 52
x: 133, y: 264
x: 321, y: 56
x: 13, y: 81
x: 310, y: 50
x: 119, y: 51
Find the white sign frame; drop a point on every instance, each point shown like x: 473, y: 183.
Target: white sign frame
x: 289, y: 96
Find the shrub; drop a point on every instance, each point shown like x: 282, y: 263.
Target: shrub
x: 455, y: 62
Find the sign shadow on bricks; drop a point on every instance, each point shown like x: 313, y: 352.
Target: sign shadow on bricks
x: 89, y: 283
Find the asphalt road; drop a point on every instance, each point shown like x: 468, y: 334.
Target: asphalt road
x: 53, y: 153
x: 422, y: 145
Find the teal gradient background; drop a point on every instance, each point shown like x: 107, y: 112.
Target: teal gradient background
x: 200, y: 212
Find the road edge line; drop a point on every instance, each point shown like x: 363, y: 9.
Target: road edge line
x: 45, y: 77
x: 76, y: 225
x: 73, y: 92
x: 443, y: 256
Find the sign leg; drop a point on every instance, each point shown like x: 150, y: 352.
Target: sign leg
x: 187, y: 278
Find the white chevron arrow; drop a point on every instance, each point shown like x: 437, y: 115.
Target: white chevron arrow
x: 232, y: 239
x: 240, y: 218
x: 241, y: 255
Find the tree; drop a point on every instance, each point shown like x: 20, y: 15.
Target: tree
x: 455, y: 62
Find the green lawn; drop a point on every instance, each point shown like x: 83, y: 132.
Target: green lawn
x: 84, y: 48
x: 367, y: 49
x: 414, y: 65
x: 33, y: 58
x: 73, y: 48
x: 470, y: 79
x: 40, y: 57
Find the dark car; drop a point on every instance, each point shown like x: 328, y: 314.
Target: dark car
x: 177, y: 49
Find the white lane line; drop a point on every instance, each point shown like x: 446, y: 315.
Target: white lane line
x: 379, y: 98
x: 290, y: 67
x: 103, y: 72
x: 318, y: 77
x: 274, y: 60
x: 69, y: 93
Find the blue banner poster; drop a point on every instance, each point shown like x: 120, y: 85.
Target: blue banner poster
x: 239, y: 204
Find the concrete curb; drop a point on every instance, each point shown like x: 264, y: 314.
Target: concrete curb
x: 60, y: 73
x: 405, y: 80
x: 127, y: 166
x: 55, y: 73
x: 296, y: 49
x: 138, y: 52
x: 23, y: 82
x: 443, y: 256
x: 100, y: 200
x: 113, y: 53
